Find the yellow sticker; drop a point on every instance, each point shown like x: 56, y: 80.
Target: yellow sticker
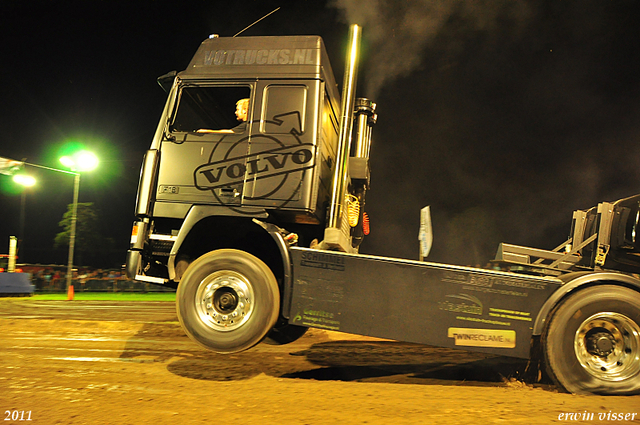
x: 500, y: 338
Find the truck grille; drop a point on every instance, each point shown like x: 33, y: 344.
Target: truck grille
x: 160, y: 247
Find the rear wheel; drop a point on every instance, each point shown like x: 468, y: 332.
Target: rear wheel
x: 228, y: 300
x: 592, y: 341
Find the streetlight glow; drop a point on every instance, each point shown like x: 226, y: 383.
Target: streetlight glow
x: 87, y: 161
x: 67, y: 162
x: 24, y: 180
x: 80, y: 161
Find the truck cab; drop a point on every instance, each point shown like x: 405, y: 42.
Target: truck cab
x: 208, y: 178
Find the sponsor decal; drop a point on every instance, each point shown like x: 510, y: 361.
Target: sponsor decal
x: 326, y: 290
x: 488, y: 281
x: 498, y: 338
x: 481, y: 320
x: 317, y: 319
x: 510, y: 314
x: 322, y: 260
x: 495, y: 291
x: 261, y: 57
x: 462, y: 303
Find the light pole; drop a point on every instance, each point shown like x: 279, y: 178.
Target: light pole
x: 26, y: 181
x: 81, y: 161
x: 72, y: 231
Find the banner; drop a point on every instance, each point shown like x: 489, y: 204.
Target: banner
x: 9, y: 166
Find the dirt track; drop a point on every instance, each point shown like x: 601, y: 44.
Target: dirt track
x: 85, y: 362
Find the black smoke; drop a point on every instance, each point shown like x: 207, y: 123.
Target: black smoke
x: 503, y: 116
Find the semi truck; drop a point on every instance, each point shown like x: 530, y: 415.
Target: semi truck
x: 257, y: 224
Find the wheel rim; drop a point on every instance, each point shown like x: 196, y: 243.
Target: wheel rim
x: 607, y: 346
x: 224, y: 300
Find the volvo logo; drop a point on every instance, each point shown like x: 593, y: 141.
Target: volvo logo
x: 258, y: 167
x: 262, y: 165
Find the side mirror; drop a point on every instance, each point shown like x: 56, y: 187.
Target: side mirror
x: 166, y: 81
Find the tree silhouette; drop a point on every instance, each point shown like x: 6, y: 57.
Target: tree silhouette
x: 88, y: 238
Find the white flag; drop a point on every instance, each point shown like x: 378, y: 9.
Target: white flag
x: 9, y: 166
x: 426, y: 232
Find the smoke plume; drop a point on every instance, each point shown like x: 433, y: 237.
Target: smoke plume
x: 397, y: 32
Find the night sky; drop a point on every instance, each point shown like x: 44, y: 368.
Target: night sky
x: 503, y: 116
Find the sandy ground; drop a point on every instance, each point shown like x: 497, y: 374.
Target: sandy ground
x: 82, y: 362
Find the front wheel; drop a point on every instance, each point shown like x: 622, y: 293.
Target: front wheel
x: 592, y: 341
x: 228, y: 300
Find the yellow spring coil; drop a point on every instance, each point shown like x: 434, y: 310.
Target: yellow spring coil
x: 353, y: 210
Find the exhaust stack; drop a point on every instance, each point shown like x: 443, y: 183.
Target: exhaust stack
x: 335, y: 236
x: 366, y: 119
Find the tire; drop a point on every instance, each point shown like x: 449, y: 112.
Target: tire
x: 285, y: 334
x: 228, y: 300
x: 591, y: 343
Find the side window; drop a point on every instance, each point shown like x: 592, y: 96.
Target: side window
x: 284, y: 106
x: 208, y: 109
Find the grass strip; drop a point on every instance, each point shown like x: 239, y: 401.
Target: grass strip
x: 111, y: 296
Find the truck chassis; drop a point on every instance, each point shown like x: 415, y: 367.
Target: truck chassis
x: 223, y: 233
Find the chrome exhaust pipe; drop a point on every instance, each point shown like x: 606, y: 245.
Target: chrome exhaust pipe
x: 366, y: 119
x: 339, y: 183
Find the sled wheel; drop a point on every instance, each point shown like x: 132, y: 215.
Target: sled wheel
x: 592, y: 341
x: 228, y: 300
